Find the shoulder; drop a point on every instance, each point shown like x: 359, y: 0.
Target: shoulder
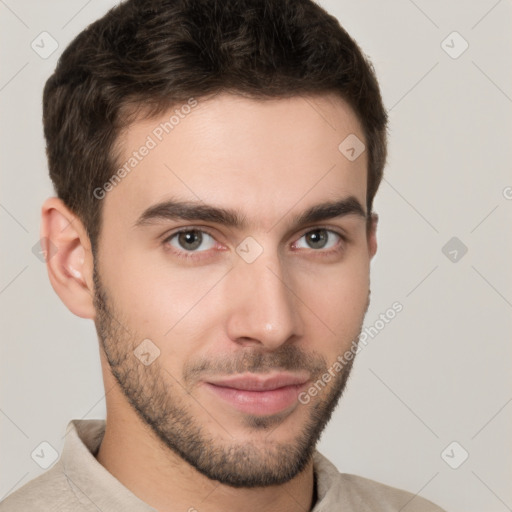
x: 382, y: 497
x: 352, y: 492
x: 49, y: 491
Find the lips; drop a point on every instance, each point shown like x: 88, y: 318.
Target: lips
x: 261, y: 383
x: 259, y: 394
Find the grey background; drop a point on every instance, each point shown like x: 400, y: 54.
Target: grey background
x: 439, y: 372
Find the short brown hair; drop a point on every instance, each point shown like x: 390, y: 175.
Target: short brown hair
x: 159, y: 53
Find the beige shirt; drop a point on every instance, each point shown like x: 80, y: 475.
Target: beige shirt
x: 77, y: 482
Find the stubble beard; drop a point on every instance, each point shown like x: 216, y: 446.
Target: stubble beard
x: 160, y: 402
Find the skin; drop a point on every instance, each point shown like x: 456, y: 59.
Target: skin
x: 297, y: 307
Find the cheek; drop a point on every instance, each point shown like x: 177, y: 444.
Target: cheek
x: 338, y: 296
x: 151, y: 291
x: 163, y: 303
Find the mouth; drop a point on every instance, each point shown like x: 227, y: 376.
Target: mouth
x: 259, y: 394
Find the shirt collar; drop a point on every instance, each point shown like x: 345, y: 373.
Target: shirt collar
x: 88, y: 479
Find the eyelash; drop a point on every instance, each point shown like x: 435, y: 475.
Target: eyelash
x: 193, y: 255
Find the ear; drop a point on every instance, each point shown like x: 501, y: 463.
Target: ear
x: 69, y: 259
x: 371, y: 234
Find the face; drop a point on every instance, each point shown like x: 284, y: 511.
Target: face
x: 217, y: 315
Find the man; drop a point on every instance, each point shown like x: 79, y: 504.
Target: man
x: 215, y: 163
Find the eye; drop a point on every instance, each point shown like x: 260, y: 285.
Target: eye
x: 189, y: 240
x: 193, y: 243
x: 320, y: 238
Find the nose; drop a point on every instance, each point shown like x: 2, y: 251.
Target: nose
x: 263, y: 304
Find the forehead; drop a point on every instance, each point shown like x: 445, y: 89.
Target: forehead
x: 262, y: 157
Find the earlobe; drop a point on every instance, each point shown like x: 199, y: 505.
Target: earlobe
x: 68, y: 257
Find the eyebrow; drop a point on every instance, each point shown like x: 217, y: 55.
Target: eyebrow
x: 199, y: 211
